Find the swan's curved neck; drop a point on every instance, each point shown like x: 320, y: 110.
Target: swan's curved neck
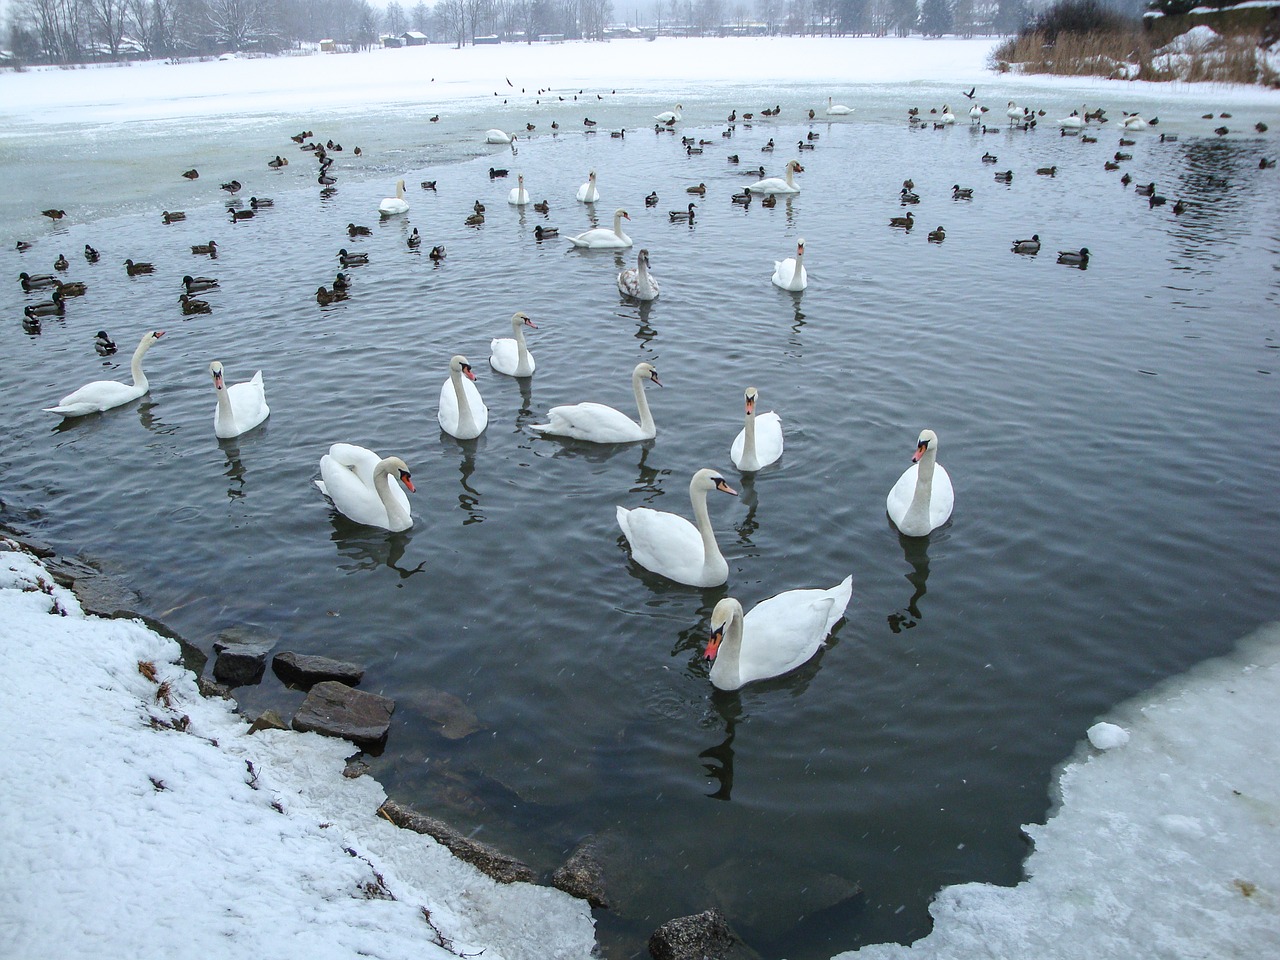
x: 644, y: 285
x: 400, y: 190
x: 522, y: 350
x: 710, y: 549
x: 790, y: 176
x: 646, y: 418
x: 617, y: 224
x: 225, y: 413
x: 465, y: 420
x: 135, y: 366
x: 396, y: 516
x: 729, y: 654
x: 749, y: 440
x: 924, y: 485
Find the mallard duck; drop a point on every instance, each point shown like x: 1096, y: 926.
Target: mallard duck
x: 1173, y: 137
x: 1122, y: 157
x: 542, y: 233
x: 23, y: 246
x: 134, y: 269
x: 437, y: 253
x: 652, y: 199
x: 54, y: 214
x: 1085, y: 138
x: 1047, y: 171
x: 190, y: 305
x: 341, y: 282
x: 1110, y: 165
x: 768, y: 147
x: 211, y: 248
x: 989, y: 158
x: 237, y: 215
x: 428, y: 184
x: 196, y: 284
x: 415, y: 240
x: 588, y: 122
x: 53, y: 307
x: 75, y: 288
x: 1126, y: 179
x: 31, y: 324
x: 172, y: 216
x: 1221, y: 131
x: 477, y: 207
x: 496, y: 174
x: 61, y: 263
x: 358, y: 231
x: 103, y: 344
x: 732, y: 158
x: 700, y: 190
x: 232, y: 186
x: 30, y: 282
x: 1027, y: 246
x: 1155, y: 200
x: 325, y: 180
x: 1259, y: 126
x: 770, y: 200
x: 906, y: 196
x: 801, y: 145
x: 937, y: 236
x: 192, y: 174
x: 474, y: 220
x: 743, y: 198
x: 278, y: 162
x: 91, y: 254
x: 1074, y: 258
x: 352, y: 259
x: 1005, y: 177
x: 678, y: 216
x: 691, y: 151
x: 1265, y: 164
x: 325, y: 297
x: 1179, y: 207
x: 961, y: 193
x: 542, y: 206
x: 906, y: 222
x: 1145, y: 190
x: 259, y: 202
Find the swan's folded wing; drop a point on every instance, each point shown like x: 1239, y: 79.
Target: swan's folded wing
x: 783, y: 632
x: 590, y: 421
x: 943, y: 499
x: 99, y: 395
x: 663, y: 542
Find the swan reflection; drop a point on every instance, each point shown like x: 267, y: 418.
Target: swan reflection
x: 718, y: 765
x: 367, y: 549
x: 235, y: 469
x: 916, y: 552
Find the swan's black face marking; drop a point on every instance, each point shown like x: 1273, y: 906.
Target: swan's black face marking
x: 724, y: 487
x: 405, y: 479
x: 653, y: 375
x: 713, y: 644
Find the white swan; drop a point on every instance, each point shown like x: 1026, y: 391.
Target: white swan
x: 778, y: 635
x: 1075, y: 121
x: 518, y: 196
x: 947, y: 116
x: 588, y: 193
x: 241, y: 407
x: 777, y: 184
x: 637, y: 282
x: 790, y: 274
x: 759, y: 442
x: 597, y: 423
x: 462, y: 412
x: 599, y: 238
x: 512, y: 356
x: 667, y: 116
x: 837, y: 109
x: 671, y: 546
x: 975, y: 114
x: 105, y: 394
x: 498, y: 136
x: 922, y: 498
x: 357, y: 482
x: 1014, y: 113
x: 1134, y: 122
x: 391, y: 206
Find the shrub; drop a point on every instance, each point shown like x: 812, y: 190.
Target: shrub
x: 1077, y: 17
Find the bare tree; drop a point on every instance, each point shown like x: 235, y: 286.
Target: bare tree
x: 236, y: 22
x: 394, y: 20
x: 108, y: 18
x: 453, y: 19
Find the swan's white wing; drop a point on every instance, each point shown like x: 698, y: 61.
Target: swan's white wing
x: 629, y: 282
x: 351, y: 495
x: 899, y: 499
x: 663, y: 542
x: 785, y: 631
x: 248, y: 404
x: 591, y: 421
x: 600, y: 239
x: 96, y: 396
x: 504, y: 355
x: 479, y: 412
x: 943, y: 499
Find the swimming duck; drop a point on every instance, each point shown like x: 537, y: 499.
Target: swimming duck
x: 801, y: 145
x: 1110, y: 165
x: 700, y: 190
x: 191, y: 305
x: 324, y: 297
x: 542, y: 207
x: 428, y: 185
x: 961, y: 193
x: 30, y: 283
x: 1074, y: 258
x: 135, y: 269
x: 474, y: 220
x: 678, y: 216
x: 104, y: 344
x: 477, y: 207
x: 1126, y: 179
x: 1027, y: 246
x: 23, y: 246
x: 210, y: 248
x: 31, y: 324
x: 989, y: 158
x: 768, y: 147
x: 358, y: 231
x: 238, y: 215
x: 732, y: 158
x: 937, y: 236
x: 173, y: 216
x: 437, y: 253
x: 496, y: 173
x: 1085, y: 138
x: 906, y: 196
x: 76, y: 288
x: 1265, y: 164
x: 1155, y: 200
x: 1047, y: 171
x: 1122, y: 157
x: 52, y: 307
x: 61, y: 263
x: 414, y: 240
x: 906, y: 222
x: 543, y: 233
x: 341, y: 282
x: 621, y: 134
x: 1179, y: 207
x: 352, y: 259
x: 1145, y: 191
x: 259, y: 202
x: 196, y: 284
x: 1005, y: 177
x: 743, y: 198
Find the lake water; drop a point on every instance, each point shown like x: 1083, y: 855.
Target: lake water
x: 1108, y: 433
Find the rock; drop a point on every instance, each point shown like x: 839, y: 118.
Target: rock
x: 483, y: 857
x: 582, y: 875
x: 208, y: 689
x: 30, y: 544
x: 333, y: 709
x: 242, y: 656
x: 267, y: 720
x: 456, y: 719
x: 300, y: 670
x: 774, y: 900
x: 355, y: 768
x: 703, y: 936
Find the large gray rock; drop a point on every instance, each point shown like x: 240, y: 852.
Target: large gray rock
x: 335, y: 710
x: 242, y: 656
x: 483, y: 857
x: 301, y: 670
x: 703, y: 936
x: 582, y: 875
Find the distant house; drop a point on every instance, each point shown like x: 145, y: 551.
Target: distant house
x: 392, y: 43
x: 414, y: 38
x: 486, y: 40
x: 328, y: 45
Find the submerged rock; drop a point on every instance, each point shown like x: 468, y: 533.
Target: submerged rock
x: 582, y: 875
x: 301, y: 670
x: 456, y: 719
x: 703, y: 936
x: 333, y: 709
x: 486, y: 859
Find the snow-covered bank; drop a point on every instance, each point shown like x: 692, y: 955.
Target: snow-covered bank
x: 125, y: 836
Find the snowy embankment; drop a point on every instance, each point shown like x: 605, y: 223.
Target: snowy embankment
x: 138, y: 819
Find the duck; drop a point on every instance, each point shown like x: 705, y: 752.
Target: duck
x: 542, y: 207
x: 1074, y: 258
x: 519, y: 196
x: 210, y: 248
x: 906, y: 222
x: 1004, y: 177
x: 31, y: 324
x: 91, y: 254
x: 73, y: 288
x: 172, y: 216
x: 238, y: 215
x: 414, y: 240
x: 474, y: 220
x: 1047, y: 171
x: 136, y: 269
x: 777, y: 636
x: 241, y: 406
x: 462, y: 413
x: 789, y: 274
x: 937, y: 236
x: 732, y: 158
x: 700, y: 190
x: 759, y: 442
x: 1179, y: 207
x: 341, y: 282
x: 1126, y: 179
x: 1122, y: 157
x: 428, y: 185
x: 393, y: 206
x: 103, y: 344
x: 545, y: 233
x: 777, y: 184
x: 768, y: 147
x: 678, y: 216
x: 499, y: 136
x: 670, y: 116
x: 61, y: 263
x: 836, y: 109
x: 758, y: 172
x: 324, y: 296
x: 922, y: 499
x: 53, y: 307
x: 652, y: 199
x: 743, y: 198
x: 355, y: 230
x: 1156, y: 200
x: 232, y: 186
x: 510, y: 355
x: 437, y: 253
x: 325, y: 180
x: 669, y: 545
x: 587, y: 193
x: 192, y: 174
x: 906, y: 196
x: 192, y: 306
x: 196, y: 284
x: 477, y: 207
x: 961, y: 193
x: 1146, y: 190
x: 621, y: 134
x: 1110, y: 165
x: 990, y: 158
x: 257, y: 203
x: 636, y: 282
x: 54, y: 214
x: 105, y: 394
x: 1027, y: 246
x: 770, y: 200
x: 352, y: 259
x: 357, y: 482
x: 801, y: 145
x: 277, y: 162
x: 588, y: 122
x: 39, y: 280
x: 601, y: 239
x: 597, y: 423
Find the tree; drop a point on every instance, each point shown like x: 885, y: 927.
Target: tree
x: 108, y: 18
x: 1011, y: 16
x: 935, y: 18
x: 962, y: 16
x: 453, y: 17
x: 421, y: 16
x: 854, y: 16
x: 236, y: 22
x: 902, y: 16
x: 394, y: 20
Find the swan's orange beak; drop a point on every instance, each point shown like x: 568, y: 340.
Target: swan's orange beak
x: 751, y: 405
x: 157, y: 334
x: 654, y: 377
x: 466, y: 370
x: 404, y: 478
x: 724, y: 487
x: 921, y: 447
x: 217, y: 381
x: 713, y: 645
x: 530, y: 323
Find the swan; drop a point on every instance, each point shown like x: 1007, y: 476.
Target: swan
x: 670, y: 116
x: 790, y: 274
x: 759, y: 442
x: 511, y: 356
x: 1075, y: 121
x: 462, y: 412
x: 777, y: 184
x: 947, y: 116
x: 391, y: 206
x: 356, y: 481
x: 597, y: 423
x: 601, y: 239
x: 922, y: 498
x: 105, y: 394
x: 837, y: 109
x: 1014, y: 113
x: 1134, y: 122
x: 975, y: 114
x: 636, y: 282
x: 588, y: 193
x: 241, y: 407
x: 498, y: 136
x: 671, y: 546
x: 518, y: 196
x: 778, y: 635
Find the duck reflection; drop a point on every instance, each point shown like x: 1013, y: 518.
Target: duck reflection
x: 916, y: 552
x: 368, y: 549
x: 719, y: 759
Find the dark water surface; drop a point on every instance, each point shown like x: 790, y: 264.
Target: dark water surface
x: 1109, y: 432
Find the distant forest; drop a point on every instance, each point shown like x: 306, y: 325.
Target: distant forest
x: 81, y: 31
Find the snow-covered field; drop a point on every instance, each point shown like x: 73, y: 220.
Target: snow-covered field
x: 126, y: 838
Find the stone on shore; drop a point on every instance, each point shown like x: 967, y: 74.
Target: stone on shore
x: 703, y: 936
x: 486, y: 859
x: 242, y: 657
x: 333, y: 709
x: 301, y: 670
x: 582, y: 875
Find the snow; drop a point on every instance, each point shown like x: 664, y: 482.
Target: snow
x: 1107, y: 736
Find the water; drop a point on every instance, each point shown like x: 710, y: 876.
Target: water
x: 1106, y: 431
